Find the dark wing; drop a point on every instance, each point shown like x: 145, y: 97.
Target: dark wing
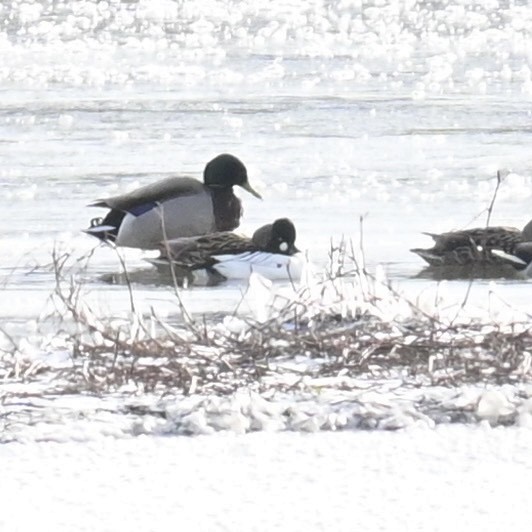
x: 454, y: 239
x: 470, y: 245
x: 199, y: 252
x: 505, y: 238
x: 454, y: 247
x: 166, y: 189
x: 486, y: 237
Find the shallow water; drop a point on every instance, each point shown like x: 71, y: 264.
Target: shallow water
x: 399, y: 112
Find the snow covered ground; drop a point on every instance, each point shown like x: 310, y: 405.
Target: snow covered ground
x: 401, y: 112
x: 449, y: 478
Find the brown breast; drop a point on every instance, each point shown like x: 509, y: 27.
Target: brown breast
x: 227, y: 209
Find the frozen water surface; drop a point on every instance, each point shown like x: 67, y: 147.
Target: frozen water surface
x: 400, y: 112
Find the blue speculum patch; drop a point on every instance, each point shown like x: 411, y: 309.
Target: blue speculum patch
x: 141, y: 209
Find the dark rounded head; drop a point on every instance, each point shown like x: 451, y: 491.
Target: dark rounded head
x: 523, y: 250
x: 527, y: 232
x: 278, y: 237
x: 225, y: 171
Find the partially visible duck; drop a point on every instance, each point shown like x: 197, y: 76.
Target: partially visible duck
x: 269, y: 252
x: 473, y: 246
x: 520, y: 258
x: 175, y: 207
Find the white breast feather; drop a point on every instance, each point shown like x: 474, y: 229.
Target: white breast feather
x: 271, y: 266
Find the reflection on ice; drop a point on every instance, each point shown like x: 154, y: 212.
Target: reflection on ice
x: 423, y: 48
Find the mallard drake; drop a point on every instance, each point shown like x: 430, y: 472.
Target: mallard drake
x: 473, y: 246
x: 269, y: 252
x: 175, y: 207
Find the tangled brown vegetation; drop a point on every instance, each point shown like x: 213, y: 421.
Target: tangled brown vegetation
x: 347, y: 324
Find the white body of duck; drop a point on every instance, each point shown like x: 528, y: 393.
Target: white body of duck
x: 273, y: 266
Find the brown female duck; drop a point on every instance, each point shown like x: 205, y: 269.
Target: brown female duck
x: 474, y: 246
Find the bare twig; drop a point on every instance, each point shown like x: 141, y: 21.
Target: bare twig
x: 490, y: 208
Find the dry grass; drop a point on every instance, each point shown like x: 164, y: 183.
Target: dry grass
x: 348, y: 324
